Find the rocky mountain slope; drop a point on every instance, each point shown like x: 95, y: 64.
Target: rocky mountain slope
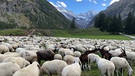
x: 122, y: 7
x: 81, y: 19
x: 32, y: 14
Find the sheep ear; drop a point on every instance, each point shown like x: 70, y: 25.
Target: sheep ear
x: 123, y: 49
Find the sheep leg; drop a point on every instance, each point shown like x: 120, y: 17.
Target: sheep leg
x: 89, y: 64
x: 44, y: 70
x: 102, y: 73
x: 82, y: 66
x: 121, y: 72
x: 117, y: 72
x: 131, y: 62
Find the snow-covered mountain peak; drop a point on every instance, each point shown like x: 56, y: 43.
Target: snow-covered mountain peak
x: 81, y: 19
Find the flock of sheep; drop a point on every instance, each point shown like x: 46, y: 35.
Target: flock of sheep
x: 19, y: 56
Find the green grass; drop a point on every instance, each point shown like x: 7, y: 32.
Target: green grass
x: 12, y: 31
x: 88, y: 33
x: 92, y: 33
x: 95, y: 72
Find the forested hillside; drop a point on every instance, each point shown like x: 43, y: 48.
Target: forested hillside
x: 115, y: 24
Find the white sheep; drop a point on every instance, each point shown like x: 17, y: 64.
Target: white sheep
x: 13, y: 54
x: 15, y: 45
x: 61, y: 51
x: 3, y: 49
x: 130, y: 57
x: 53, y: 67
x: 31, y: 70
x: 19, y: 50
x: 80, y: 48
x: 105, y: 66
x: 19, y: 60
x: 8, y: 68
x: 29, y: 56
x: 72, y: 70
x: 121, y: 63
x: 77, y: 54
x: 91, y: 59
x: 115, y: 52
x: 8, y: 45
x: 69, y: 59
x: 2, y: 57
x: 58, y: 56
x: 65, y: 51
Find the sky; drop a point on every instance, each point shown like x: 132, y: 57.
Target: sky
x: 82, y: 6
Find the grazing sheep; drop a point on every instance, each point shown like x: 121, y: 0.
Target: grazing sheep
x: 91, y: 59
x: 15, y: 45
x: 105, y: 66
x: 31, y: 70
x: 81, y: 48
x: 69, y: 59
x: 121, y: 64
x: 72, y: 70
x: 77, y: 59
x: 69, y: 52
x: 19, y: 60
x: 130, y: 57
x: 29, y: 56
x: 53, y: 67
x: 84, y: 58
x: 64, y: 51
x: 8, y: 68
x: 58, y: 56
x: 8, y: 45
x: 77, y: 54
x: 120, y: 52
x: 19, y: 50
x: 45, y: 55
x: 3, y: 49
x: 13, y: 54
x: 2, y: 57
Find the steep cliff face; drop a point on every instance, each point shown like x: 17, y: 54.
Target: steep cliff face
x: 123, y: 7
x: 32, y: 14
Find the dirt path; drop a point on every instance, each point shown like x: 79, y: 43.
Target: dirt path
x: 130, y: 36
x: 31, y: 32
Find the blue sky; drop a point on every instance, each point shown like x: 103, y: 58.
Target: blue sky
x: 81, y: 6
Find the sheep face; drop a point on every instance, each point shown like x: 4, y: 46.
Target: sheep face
x: 130, y: 72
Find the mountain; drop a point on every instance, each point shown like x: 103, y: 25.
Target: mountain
x: 81, y: 19
x: 31, y: 14
x: 122, y: 7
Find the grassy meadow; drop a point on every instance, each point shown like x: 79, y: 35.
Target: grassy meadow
x: 82, y: 33
x: 92, y: 33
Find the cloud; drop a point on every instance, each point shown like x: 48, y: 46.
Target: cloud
x: 103, y: 4
x: 90, y: 0
x: 114, y: 1
x: 95, y: 2
x: 78, y: 0
x: 59, y: 4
